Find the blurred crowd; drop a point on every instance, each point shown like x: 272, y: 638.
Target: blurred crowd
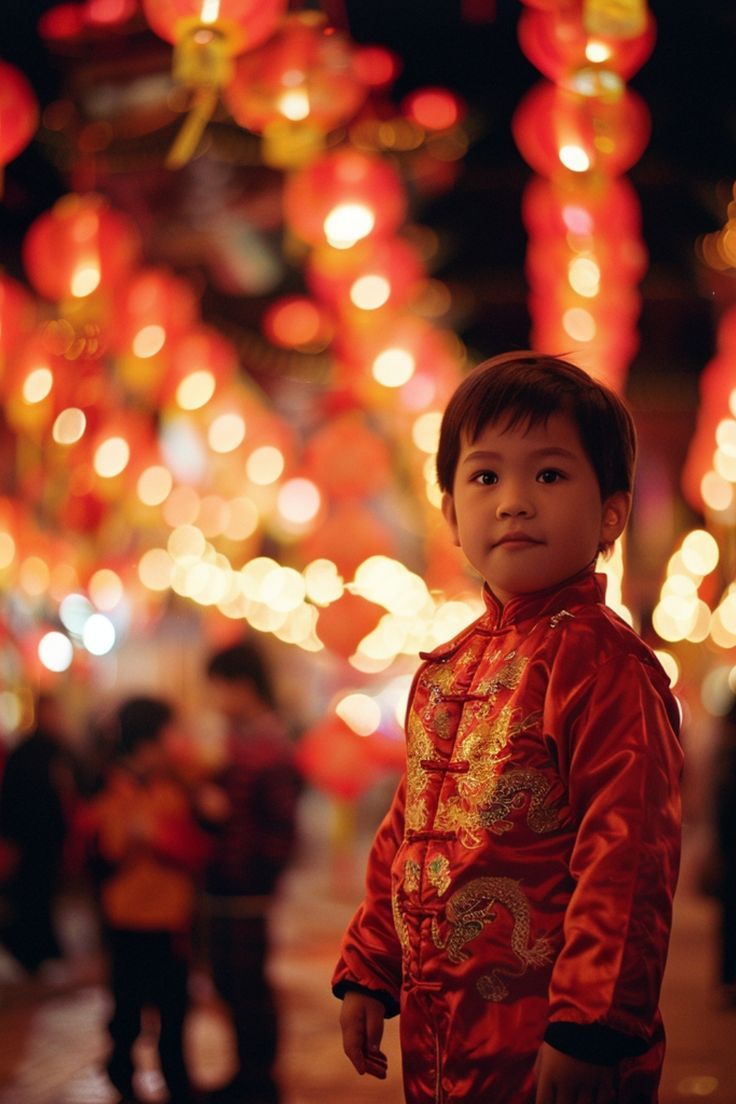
x: 179, y: 855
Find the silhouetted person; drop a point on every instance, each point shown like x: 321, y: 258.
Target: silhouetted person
x: 725, y: 825
x: 251, y: 849
x: 36, y: 797
x: 146, y: 849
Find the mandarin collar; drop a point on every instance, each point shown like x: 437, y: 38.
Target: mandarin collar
x: 588, y: 587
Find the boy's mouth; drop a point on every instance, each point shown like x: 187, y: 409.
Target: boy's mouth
x: 516, y: 538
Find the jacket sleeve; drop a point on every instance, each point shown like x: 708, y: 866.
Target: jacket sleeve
x: 371, y: 953
x: 619, y: 750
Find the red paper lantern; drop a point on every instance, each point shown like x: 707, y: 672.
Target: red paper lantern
x: 434, y: 108
x: 202, y: 362
x: 245, y: 24
x: 18, y: 112
x: 153, y: 297
x: 374, y: 274
x: 17, y: 317
x: 376, y: 66
x: 80, y: 247
x: 296, y: 322
x: 349, y: 535
x: 343, y: 624
x: 556, y: 42
x: 343, y: 197
x: 30, y: 385
x: 582, y: 207
x: 334, y: 759
x: 208, y: 35
x: 346, y: 459
x: 560, y: 132
x: 296, y: 88
x: 620, y: 263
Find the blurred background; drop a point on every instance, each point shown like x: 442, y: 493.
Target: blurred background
x: 248, y: 250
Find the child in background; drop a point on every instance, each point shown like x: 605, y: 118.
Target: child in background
x: 519, y: 891
x: 147, y: 851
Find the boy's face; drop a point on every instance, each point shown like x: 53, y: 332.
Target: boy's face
x: 526, y: 507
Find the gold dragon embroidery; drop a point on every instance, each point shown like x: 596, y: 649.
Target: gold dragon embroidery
x: 419, y: 748
x: 507, y: 678
x: 467, y: 913
x: 510, y: 792
x: 482, y: 747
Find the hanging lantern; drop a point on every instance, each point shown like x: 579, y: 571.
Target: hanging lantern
x: 434, y: 108
x: 18, y: 113
x: 295, y: 89
x: 118, y: 449
x: 344, y: 197
x: 342, y: 625
x: 372, y: 275
x: 582, y: 208
x: 350, y: 535
x: 405, y: 356
x: 79, y: 249
x: 336, y: 760
x: 154, y: 309
x: 557, y: 43
x: 17, y: 317
x: 202, y: 361
x: 208, y: 35
x: 347, y: 459
x: 29, y: 386
x: 558, y: 131
x: 296, y: 322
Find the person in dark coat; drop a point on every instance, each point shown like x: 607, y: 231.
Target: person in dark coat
x: 36, y: 798
x: 251, y: 848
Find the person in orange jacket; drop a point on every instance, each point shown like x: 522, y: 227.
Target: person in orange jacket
x: 147, y: 850
x: 519, y: 891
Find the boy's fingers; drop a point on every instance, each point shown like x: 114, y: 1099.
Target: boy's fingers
x: 362, y: 1028
x: 376, y: 1068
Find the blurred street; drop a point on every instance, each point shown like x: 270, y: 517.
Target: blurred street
x: 52, y: 1035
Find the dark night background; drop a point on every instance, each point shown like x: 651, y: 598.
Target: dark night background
x: 683, y: 180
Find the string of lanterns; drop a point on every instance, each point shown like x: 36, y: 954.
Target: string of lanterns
x: 146, y: 462
x: 581, y: 129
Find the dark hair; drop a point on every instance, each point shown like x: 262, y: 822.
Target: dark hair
x: 242, y: 663
x: 140, y: 721
x: 527, y: 388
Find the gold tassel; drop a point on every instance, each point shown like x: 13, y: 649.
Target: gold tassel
x: 187, y: 140
x: 615, y: 18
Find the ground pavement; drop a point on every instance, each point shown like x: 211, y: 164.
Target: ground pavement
x: 52, y: 1035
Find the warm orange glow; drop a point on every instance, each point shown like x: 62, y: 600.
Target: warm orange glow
x: 433, y: 108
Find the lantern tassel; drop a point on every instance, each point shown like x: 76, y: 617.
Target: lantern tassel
x: 187, y: 140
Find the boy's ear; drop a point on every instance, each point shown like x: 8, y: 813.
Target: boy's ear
x: 448, y: 511
x: 615, y: 515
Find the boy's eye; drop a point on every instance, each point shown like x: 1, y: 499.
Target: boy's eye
x: 486, y: 478
x: 549, y: 475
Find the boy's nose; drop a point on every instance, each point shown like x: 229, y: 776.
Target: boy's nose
x: 514, y: 507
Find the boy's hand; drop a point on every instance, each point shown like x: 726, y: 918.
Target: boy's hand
x: 565, y: 1080
x: 361, y: 1020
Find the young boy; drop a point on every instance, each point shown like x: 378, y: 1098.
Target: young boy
x: 519, y: 890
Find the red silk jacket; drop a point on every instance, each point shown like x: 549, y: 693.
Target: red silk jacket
x: 520, y: 887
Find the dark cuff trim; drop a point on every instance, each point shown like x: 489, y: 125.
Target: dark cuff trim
x: 594, y: 1043
x: 390, y: 1005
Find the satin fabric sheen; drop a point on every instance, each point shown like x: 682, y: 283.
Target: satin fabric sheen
x: 524, y: 874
